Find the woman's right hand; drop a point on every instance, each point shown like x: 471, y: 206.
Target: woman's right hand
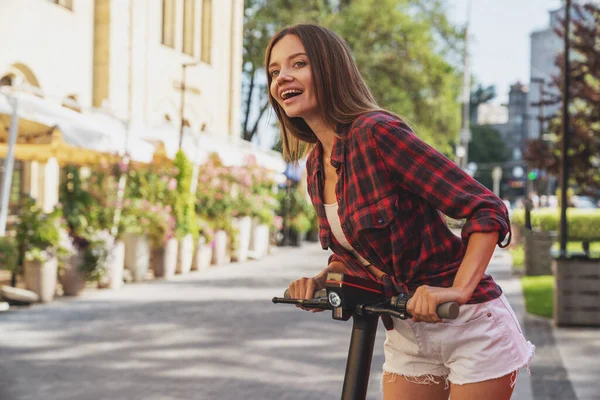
x: 304, y: 288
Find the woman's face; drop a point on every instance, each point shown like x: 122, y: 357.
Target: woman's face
x: 292, y: 84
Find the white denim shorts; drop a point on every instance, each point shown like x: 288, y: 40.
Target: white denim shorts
x: 484, y: 342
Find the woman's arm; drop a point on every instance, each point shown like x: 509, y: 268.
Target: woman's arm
x: 480, y: 249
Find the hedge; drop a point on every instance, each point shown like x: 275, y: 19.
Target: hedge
x: 582, y: 224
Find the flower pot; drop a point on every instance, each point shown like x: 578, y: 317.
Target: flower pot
x: 576, y: 294
x: 202, y: 255
x: 164, y: 259
x: 244, y: 226
x: 186, y: 254
x: 40, y: 278
x: 137, y: 255
x: 538, y: 258
x: 220, y: 253
x: 259, y: 245
x: 115, y: 264
x: 71, y: 277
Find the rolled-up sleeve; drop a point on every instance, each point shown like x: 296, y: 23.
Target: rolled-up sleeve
x: 422, y: 170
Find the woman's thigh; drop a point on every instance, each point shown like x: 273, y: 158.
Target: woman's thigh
x: 493, y: 389
x: 397, y: 387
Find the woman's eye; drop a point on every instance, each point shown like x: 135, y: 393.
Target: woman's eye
x: 299, y: 64
x: 274, y: 73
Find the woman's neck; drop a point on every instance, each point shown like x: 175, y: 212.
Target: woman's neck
x: 325, y: 134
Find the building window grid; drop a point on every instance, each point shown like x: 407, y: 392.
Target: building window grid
x: 189, y: 27
x: 168, y: 23
x: 206, y: 51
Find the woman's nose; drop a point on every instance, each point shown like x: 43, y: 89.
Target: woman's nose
x: 283, y: 77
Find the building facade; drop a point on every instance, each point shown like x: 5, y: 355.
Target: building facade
x: 127, y: 58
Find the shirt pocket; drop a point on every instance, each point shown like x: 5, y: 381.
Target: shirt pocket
x: 371, y: 225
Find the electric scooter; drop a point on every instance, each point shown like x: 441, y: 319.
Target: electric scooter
x: 365, y: 302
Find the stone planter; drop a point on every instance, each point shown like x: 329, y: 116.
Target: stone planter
x: 71, y: 278
x: 577, y: 291
x: 115, y: 264
x: 40, y: 278
x: 202, y: 255
x: 220, y: 253
x: 244, y: 226
x: 259, y: 243
x: 164, y: 259
x: 137, y: 255
x: 538, y: 258
x: 186, y: 254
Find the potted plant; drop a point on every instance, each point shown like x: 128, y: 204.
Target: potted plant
x: 163, y: 243
x: 204, y: 245
x: 299, y: 226
x: 214, y: 203
x: 38, y: 235
x: 186, y: 229
x: 134, y: 225
x: 9, y: 254
x: 70, y: 275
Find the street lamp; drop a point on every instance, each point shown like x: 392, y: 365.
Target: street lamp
x: 183, y: 88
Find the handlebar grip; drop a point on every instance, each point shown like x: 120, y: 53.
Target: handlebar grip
x: 449, y: 310
x: 316, y: 295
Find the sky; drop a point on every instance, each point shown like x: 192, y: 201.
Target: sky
x: 500, y: 42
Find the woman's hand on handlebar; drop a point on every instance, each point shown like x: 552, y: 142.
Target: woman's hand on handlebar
x: 304, y: 288
x: 423, y: 304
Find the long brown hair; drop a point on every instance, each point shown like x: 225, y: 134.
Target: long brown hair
x: 342, y: 94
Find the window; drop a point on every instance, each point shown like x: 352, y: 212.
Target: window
x: 188, y: 27
x: 168, y: 23
x: 206, y: 31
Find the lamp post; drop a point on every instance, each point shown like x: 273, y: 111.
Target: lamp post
x: 564, y: 170
x: 183, y: 88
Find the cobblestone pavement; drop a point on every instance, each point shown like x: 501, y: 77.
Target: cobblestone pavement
x: 213, y: 334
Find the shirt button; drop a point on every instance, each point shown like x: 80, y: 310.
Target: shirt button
x: 380, y: 220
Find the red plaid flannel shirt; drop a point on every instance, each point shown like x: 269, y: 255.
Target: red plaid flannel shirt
x: 391, y: 189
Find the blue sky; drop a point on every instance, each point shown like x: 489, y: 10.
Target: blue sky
x: 500, y: 46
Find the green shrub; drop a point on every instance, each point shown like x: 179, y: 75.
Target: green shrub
x: 186, y: 221
x: 538, y: 292
x: 9, y: 253
x: 582, y: 224
x: 518, y: 257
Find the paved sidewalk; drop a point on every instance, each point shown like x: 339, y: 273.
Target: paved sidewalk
x: 567, y: 363
x: 197, y: 337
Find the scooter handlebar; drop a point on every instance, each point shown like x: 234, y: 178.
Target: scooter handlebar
x: 449, y: 310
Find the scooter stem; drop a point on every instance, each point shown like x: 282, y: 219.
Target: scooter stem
x: 360, y: 355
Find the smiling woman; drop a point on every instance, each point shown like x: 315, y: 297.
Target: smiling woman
x: 379, y: 191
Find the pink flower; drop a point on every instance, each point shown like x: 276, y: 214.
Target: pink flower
x: 218, y: 196
x: 172, y: 184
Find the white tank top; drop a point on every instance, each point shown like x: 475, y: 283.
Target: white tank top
x: 331, y: 210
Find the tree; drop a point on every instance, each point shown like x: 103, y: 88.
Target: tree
x: 403, y: 49
x: 395, y: 47
x: 487, y: 146
x: 262, y: 19
x: 584, y: 108
x: 481, y: 95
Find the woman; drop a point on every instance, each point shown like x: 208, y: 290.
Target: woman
x: 377, y: 189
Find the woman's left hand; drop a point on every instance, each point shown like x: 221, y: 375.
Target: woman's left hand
x: 423, y: 304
